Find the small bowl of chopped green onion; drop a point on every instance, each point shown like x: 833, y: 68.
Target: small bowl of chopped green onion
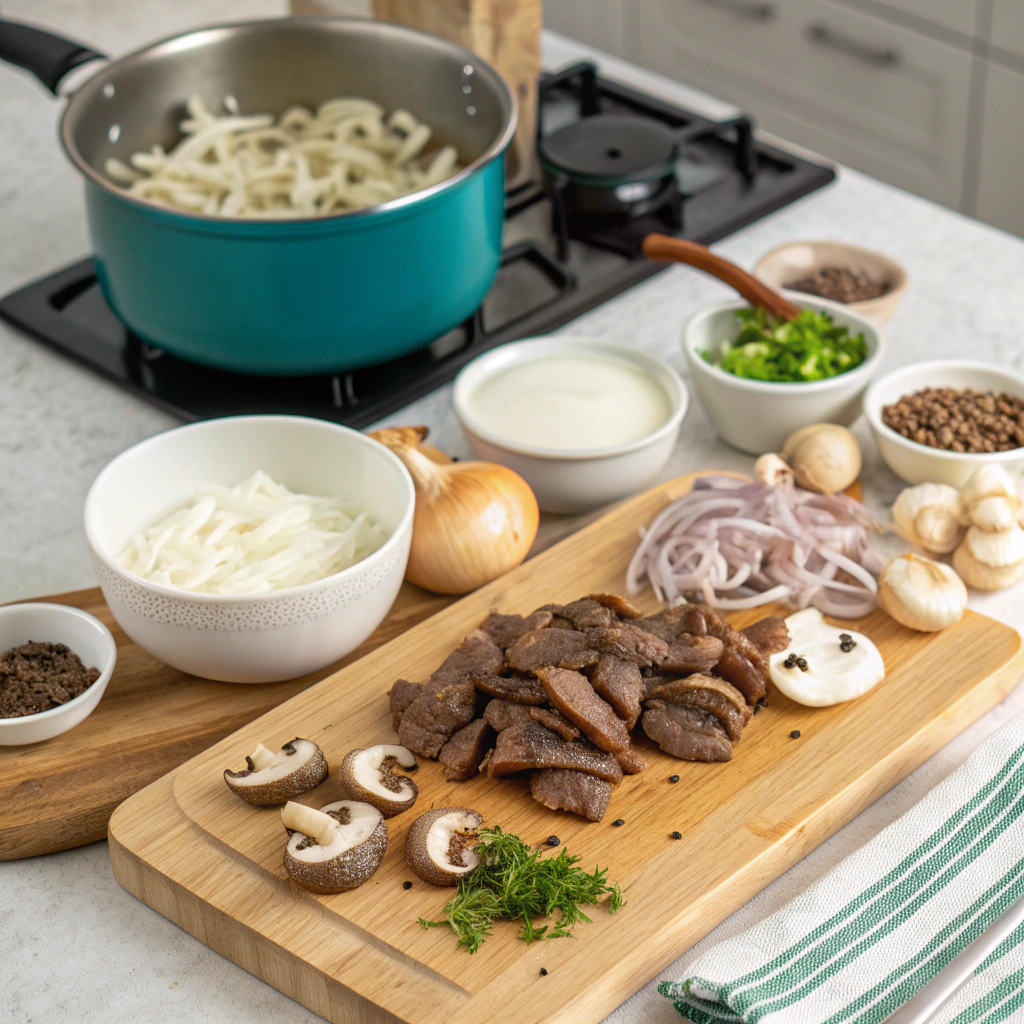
x: 759, y: 379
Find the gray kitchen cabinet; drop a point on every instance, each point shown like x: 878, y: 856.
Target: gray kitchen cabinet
x: 1000, y: 193
x: 959, y: 15
x: 600, y: 23
x: 1006, y: 28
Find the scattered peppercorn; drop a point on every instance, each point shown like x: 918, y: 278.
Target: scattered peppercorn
x: 619, y: 822
x: 762, y: 702
x: 543, y: 972
x: 673, y: 778
x: 552, y: 840
x: 677, y: 835
x: 795, y: 734
x: 407, y: 885
x: 958, y: 420
x: 801, y: 663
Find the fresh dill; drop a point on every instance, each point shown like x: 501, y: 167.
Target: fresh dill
x: 515, y: 883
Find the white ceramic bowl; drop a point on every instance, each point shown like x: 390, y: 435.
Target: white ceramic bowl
x: 251, y: 638
x: 566, y: 480
x: 56, y: 624
x: 918, y: 463
x: 756, y: 416
x: 788, y: 263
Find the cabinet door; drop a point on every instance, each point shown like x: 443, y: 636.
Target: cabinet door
x: 958, y: 15
x: 594, y: 22
x: 1000, y: 197
x: 1007, y: 27
x: 881, y: 98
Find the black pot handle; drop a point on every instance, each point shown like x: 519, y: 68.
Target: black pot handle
x: 47, y: 56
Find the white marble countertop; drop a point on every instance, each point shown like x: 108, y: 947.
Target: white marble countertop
x: 77, y: 947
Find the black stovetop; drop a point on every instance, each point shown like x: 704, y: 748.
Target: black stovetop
x: 558, y: 263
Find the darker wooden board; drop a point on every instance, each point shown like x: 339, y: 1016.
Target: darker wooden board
x: 192, y: 850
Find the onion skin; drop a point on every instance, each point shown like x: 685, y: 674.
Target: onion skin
x: 473, y: 520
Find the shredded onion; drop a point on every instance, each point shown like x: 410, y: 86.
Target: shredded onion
x: 249, y: 539
x: 346, y: 156
x: 742, y: 545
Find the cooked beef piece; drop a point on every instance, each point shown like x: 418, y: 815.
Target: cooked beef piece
x: 687, y: 733
x: 401, y: 695
x: 578, y: 662
x: 563, y: 789
x: 742, y: 673
x: 617, y: 604
x: 628, y: 642
x: 462, y: 754
x: 430, y: 720
x: 619, y: 683
x: 515, y: 689
x: 505, y: 630
x: 652, y: 682
x: 631, y: 761
x: 571, y: 694
x: 720, y: 698
x: 553, y: 720
x: 769, y: 635
x: 544, y: 647
x: 559, y: 623
x: 478, y: 654
x: 500, y: 714
x: 689, y: 653
x: 531, y: 745
x: 685, y: 618
x: 583, y: 613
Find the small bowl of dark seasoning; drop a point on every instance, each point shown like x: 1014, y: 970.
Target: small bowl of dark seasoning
x: 55, y: 663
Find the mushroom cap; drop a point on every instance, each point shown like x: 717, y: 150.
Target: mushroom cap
x: 355, y: 852
x: 361, y: 778
x: 427, y: 844
x: 296, y: 768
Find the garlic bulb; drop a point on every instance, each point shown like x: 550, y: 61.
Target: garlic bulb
x: 990, y: 498
x: 991, y: 559
x: 921, y: 594
x: 473, y: 521
x: 824, y: 457
x: 930, y: 516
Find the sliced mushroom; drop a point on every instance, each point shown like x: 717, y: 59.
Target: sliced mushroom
x: 336, y: 848
x: 273, y: 778
x: 368, y: 775
x: 439, y: 845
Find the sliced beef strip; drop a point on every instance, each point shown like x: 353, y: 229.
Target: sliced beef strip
x: 478, y: 654
x: 578, y: 662
x: 559, y: 623
x: 571, y: 694
x: 543, y: 647
x: 563, y: 789
x: 617, y: 604
x: 514, y: 689
x: 553, y: 720
x: 628, y: 642
x: 619, y: 682
x: 462, y: 754
x: 769, y: 635
x: 584, y: 613
x: 689, y: 653
x: 684, y: 618
x: 653, y: 681
x: 631, y: 761
x: 401, y: 695
x: 505, y: 630
x: 531, y: 745
x: 716, y: 696
x: 500, y: 714
x: 432, y: 718
x: 687, y: 733
x: 742, y: 673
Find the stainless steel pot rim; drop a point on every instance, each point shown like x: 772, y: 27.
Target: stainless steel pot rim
x: 109, y: 73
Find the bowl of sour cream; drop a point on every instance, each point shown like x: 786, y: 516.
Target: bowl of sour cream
x: 583, y: 420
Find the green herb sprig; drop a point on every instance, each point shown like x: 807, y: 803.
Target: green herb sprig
x: 811, y: 347
x: 515, y: 883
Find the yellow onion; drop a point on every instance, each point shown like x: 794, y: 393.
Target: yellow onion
x: 473, y: 521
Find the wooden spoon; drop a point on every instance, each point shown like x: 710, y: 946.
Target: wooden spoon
x: 757, y: 293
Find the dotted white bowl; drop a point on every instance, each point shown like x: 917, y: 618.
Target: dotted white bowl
x: 918, y: 463
x: 56, y: 624
x: 251, y: 638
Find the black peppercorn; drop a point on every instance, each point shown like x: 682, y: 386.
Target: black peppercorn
x: 795, y: 734
x: 543, y: 972
x: 673, y: 778
x: 618, y: 822
x: 407, y: 885
x: 552, y: 840
x: 801, y: 663
x: 762, y: 702
x: 677, y: 835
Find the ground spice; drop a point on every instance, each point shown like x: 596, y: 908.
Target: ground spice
x: 39, y: 676
x: 841, y: 284
x: 958, y: 420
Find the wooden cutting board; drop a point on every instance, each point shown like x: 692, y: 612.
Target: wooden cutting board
x: 189, y: 848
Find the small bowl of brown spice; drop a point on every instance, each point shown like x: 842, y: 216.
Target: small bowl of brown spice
x: 55, y: 663
x: 938, y: 421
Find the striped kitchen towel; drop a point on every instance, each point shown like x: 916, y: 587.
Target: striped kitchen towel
x: 865, y: 938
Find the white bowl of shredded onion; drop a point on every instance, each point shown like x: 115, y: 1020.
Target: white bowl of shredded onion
x: 252, y: 548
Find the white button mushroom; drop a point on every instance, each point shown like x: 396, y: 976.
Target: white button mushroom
x: 921, y: 594
x: 368, y: 775
x: 271, y: 778
x: 930, y: 516
x: 439, y: 845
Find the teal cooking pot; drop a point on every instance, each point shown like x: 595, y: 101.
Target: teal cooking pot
x: 286, y: 296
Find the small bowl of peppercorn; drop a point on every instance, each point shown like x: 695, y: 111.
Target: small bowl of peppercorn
x: 55, y: 663
x: 936, y: 422
x: 866, y: 282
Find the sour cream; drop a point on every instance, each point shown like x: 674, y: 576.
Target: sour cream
x: 575, y: 402
x: 837, y: 664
